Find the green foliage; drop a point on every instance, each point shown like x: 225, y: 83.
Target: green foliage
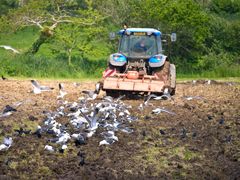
x: 72, y: 35
x: 227, y: 6
x: 182, y: 16
x: 6, y: 5
x: 33, y: 66
x: 80, y: 35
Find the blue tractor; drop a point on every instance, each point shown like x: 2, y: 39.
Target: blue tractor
x: 140, y: 65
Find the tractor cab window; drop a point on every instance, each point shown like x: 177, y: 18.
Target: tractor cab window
x: 135, y: 46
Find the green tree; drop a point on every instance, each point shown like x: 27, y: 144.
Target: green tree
x: 185, y: 17
x: 79, y: 35
x: 227, y: 6
x: 6, y: 5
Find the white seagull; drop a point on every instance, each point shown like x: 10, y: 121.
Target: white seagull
x: 37, y: 89
x: 7, y: 143
x: 10, y: 48
x: 61, y: 91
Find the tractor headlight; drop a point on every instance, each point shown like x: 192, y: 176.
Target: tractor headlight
x: 118, y: 59
x: 157, y: 60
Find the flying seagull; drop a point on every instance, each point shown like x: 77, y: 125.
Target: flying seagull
x: 91, y: 95
x: 159, y: 110
x: 192, y: 97
x: 10, y: 48
x: 92, y: 121
x: 7, y: 111
x: 37, y: 89
x: 61, y: 91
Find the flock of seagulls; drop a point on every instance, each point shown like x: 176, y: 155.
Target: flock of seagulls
x: 86, y: 117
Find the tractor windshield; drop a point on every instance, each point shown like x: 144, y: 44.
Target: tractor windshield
x: 138, y: 46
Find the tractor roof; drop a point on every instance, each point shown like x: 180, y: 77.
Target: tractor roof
x: 147, y: 30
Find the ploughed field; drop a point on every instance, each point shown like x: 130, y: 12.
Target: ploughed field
x: 200, y: 139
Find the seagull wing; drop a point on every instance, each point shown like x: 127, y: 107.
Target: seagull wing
x: 35, y: 84
x: 169, y: 112
x: 149, y: 97
x: 88, y: 120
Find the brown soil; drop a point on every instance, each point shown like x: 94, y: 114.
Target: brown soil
x: 202, y: 141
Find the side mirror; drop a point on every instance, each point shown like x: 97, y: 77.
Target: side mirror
x: 173, y: 37
x: 112, y: 35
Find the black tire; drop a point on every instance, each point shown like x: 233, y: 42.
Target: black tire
x: 113, y: 93
x: 172, y: 79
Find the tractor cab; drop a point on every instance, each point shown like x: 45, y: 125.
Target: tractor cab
x: 135, y: 43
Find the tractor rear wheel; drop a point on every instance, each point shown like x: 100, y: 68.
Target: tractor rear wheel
x: 163, y: 71
x: 172, y: 79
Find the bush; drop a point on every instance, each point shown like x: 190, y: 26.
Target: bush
x: 33, y: 66
x: 227, y: 6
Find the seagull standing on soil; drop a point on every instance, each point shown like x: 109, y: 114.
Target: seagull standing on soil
x: 38, y: 132
x: 109, y: 138
x: 49, y: 148
x: 79, y: 139
x: 4, y: 78
x: 64, y: 137
x: 63, y: 148
x: 82, y: 158
x: 107, y: 141
x: 7, y: 143
x: 76, y: 84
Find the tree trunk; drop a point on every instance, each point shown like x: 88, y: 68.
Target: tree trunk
x: 44, y: 36
x: 69, y: 57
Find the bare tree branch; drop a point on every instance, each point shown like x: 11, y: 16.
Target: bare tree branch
x: 38, y: 22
